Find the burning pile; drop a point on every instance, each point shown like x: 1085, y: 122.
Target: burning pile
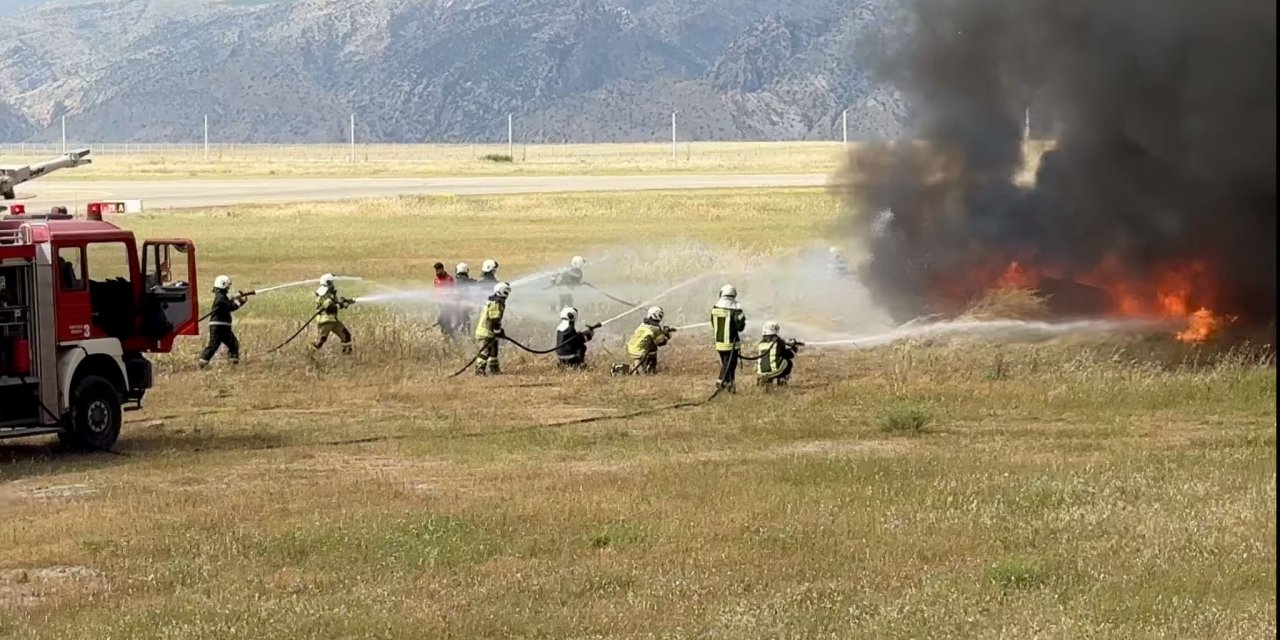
x: 1158, y: 200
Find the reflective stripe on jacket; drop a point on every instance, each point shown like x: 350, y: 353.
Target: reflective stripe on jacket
x: 727, y: 324
x: 646, y: 340
x: 490, y: 321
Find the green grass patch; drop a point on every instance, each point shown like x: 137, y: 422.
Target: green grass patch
x: 905, y: 416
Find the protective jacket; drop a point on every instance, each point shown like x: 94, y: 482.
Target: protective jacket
x: 327, y: 304
x: 727, y: 323
x: 646, y: 340
x: 838, y: 266
x: 775, y: 357
x: 223, y: 306
x: 571, y: 344
x: 490, y: 321
x: 571, y: 277
x: 489, y: 277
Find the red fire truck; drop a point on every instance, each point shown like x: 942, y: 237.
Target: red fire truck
x: 80, y: 305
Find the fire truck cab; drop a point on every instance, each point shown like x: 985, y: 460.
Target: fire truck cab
x: 80, y: 305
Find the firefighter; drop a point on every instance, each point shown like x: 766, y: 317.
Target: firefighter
x: 644, y: 343
x: 220, y: 331
x: 489, y: 330
x: 463, y: 290
x: 836, y: 263
x: 727, y: 323
x: 569, y: 279
x: 774, y: 366
x: 462, y: 274
x: 571, y: 344
x: 328, y: 303
x: 489, y: 271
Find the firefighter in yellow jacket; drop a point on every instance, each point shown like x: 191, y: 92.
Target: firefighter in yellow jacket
x: 644, y: 343
x: 489, y: 330
x: 328, y: 303
x: 727, y: 323
x: 774, y: 363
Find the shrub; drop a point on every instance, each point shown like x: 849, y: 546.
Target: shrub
x: 905, y: 417
x: 498, y: 157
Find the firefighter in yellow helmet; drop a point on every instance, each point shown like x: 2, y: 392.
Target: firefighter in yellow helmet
x: 489, y: 330
x: 644, y: 343
x: 727, y: 323
x: 328, y: 303
x: 774, y: 366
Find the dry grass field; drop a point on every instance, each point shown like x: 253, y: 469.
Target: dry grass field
x: 1103, y: 488
x: 255, y: 161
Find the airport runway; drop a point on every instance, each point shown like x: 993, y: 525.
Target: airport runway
x: 186, y: 194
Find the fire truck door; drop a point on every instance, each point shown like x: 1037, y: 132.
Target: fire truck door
x: 75, y: 311
x: 170, y: 299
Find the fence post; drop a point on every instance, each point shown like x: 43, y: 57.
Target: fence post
x: 673, y: 136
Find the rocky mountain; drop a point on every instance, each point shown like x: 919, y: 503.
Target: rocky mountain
x: 442, y: 70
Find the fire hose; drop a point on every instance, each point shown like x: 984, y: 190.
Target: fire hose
x: 605, y: 294
x: 518, y: 344
x: 296, y: 333
x: 241, y: 295
x: 343, y: 304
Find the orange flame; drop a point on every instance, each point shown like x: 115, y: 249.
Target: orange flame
x: 1168, y: 291
x: 1200, y: 325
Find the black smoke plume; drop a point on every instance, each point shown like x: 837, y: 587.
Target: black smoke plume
x: 1163, y: 117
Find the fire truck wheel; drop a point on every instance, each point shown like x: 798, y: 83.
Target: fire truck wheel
x: 95, y: 415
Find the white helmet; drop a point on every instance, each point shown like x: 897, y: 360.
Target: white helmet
x: 462, y: 268
x: 834, y: 251
x: 577, y: 262
x: 222, y: 283
x: 770, y: 328
x: 655, y: 314
x: 502, y: 290
x: 489, y: 266
x: 327, y: 280
x: 728, y: 291
x: 569, y: 313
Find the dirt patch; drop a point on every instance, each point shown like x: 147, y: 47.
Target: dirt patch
x: 372, y: 464
x: 828, y: 448
x: 25, y: 588
x: 60, y: 491
x: 839, y: 448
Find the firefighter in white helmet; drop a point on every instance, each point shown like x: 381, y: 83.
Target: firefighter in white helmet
x: 489, y: 271
x: 775, y: 355
x: 489, y: 330
x: 644, y: 343
x: 571, y: 344
x: 220, y: 331
x: 328, y: 303
x: 462, y: 273
x: 568, y: 279
x: 727, y: 323
x: 464, y: 295
x: 836, y: 263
